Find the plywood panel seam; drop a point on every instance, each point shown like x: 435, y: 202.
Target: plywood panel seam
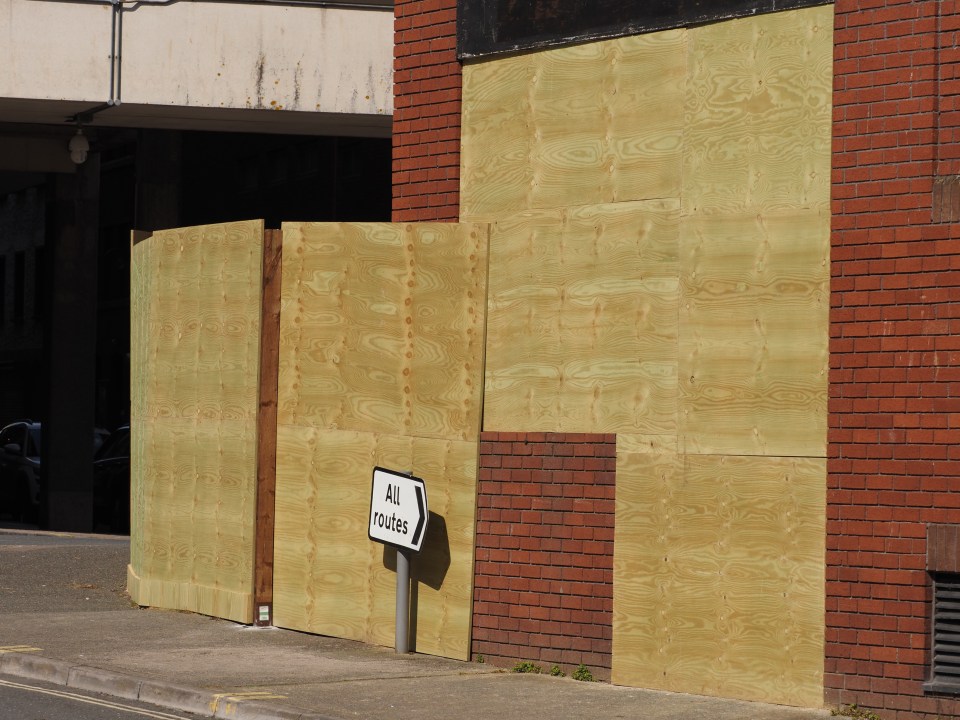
x: 753, y: 455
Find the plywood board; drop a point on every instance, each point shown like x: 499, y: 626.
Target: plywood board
x: 198, y: 530
x: 588, y: 124
x: 753, y: 334
x: 718, y: 576
x: 331, y: 579
x: 381, y: 363
x: 757, y: 114
x: 382, y: 327
x: 195, y: 364
x: 582, y: 329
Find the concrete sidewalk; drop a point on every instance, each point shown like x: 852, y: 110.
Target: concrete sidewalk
x: 65, y: 619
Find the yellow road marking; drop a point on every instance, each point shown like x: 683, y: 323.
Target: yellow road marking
x: 230, y: 700
x: 94, y: 701
x: 252, y: 695
x: 18, y: 649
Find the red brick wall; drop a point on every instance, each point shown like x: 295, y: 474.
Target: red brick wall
x: 426, y: 115
x: 894, y: 429
x: 544, y: 567
x: 948, y: 88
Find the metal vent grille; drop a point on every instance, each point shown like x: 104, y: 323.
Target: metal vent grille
x: 945, y: 656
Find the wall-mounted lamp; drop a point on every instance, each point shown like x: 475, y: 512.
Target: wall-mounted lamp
x: 79, y: 147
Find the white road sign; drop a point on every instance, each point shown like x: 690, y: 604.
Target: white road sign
x: 398, y: 509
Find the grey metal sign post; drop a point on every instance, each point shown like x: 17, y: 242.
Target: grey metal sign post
x: 402, y: 637
x: 398, y: 517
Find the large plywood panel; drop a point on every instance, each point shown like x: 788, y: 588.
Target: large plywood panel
x: 331, y: 579
x: 382, y: 327
x: 757, y: 113
x: 588, y: 124
x: 753, y: 334
x: 381, y: 363
x: 195, y: 348
x: 718, y: 576
x: 582, y: 328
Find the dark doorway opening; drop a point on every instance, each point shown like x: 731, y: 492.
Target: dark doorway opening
x: 145, y: 180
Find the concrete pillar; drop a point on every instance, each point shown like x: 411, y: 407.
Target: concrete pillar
x: 70, y: 349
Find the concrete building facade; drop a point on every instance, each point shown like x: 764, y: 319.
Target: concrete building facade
x: 192, y: 113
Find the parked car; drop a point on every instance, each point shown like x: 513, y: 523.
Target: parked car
x: 111, y: 484
x: 20, y: 470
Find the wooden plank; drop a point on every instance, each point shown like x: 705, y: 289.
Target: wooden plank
x: 718, y: 576
x: 582, y: 329
x: 757, y: 114
x: 753, y: 334
x: 589, y: 124
x: 196, y: 369
x: 331, y: 579
x: 267, y: 425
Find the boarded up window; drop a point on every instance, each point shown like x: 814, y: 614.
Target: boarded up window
x: 490, y: 27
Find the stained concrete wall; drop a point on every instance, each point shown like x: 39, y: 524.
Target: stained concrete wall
x: 194, y: 56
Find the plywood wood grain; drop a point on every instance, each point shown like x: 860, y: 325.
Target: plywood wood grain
x: 381, y: 363
x: 383, y: 327
x: 757, y: 113
x: 207, y: 295
x: 718, y: 576
x: 331, y: 579
x: 198, y: 531
x: 588, y: 124
x: 582, y: 329
x: 195, y: 345
x: 753, y: 333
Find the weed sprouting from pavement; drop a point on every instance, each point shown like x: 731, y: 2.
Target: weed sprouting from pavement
x: 854, y: 711
x: 527, y: 667
x: 582, y: 673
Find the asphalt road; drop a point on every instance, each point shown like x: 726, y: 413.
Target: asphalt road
x: 31, y: 700
x: 59, y: 573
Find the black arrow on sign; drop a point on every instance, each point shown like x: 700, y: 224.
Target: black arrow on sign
x: 423, y: 516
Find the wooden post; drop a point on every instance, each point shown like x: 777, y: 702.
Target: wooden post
x: 267, y: 429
